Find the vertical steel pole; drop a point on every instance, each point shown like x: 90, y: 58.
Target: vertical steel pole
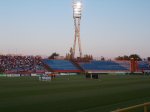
x: 79, y: 40
x: 75, y: 38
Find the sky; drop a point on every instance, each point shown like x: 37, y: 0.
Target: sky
x: 109, y: 28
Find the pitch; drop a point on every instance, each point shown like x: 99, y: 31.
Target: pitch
x: 73, y: 93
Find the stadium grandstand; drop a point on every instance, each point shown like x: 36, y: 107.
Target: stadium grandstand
x: 31, y: 64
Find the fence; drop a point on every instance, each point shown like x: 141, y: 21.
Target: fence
x: 145, y: 107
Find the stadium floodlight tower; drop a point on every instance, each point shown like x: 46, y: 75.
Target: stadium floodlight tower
x: 77, y: 9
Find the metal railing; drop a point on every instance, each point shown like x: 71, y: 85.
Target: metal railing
x: 145, y: 107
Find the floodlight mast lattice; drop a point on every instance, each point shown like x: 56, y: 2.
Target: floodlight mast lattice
x: 77, y: 9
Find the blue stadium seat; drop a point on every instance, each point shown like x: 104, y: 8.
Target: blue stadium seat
x: 105, y: 66
x: 144, y: 65
x: 60, y: 64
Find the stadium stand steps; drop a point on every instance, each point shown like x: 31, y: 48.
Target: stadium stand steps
x: 61, y: 65
x: 78, y: 65
x: 103, y: 65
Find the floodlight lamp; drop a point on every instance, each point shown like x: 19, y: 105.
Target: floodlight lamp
x: 77, y: 8
x: 77, y: 11
x: 78, y: 4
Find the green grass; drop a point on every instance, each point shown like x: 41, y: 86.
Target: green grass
x: 73, y: 93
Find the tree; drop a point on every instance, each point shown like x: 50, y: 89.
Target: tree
x: 68, y: 56
x: 53, y: 55
x: 135, y: 57
x: 148, y: 58
x: 88, y: 57
x: 119, y: 58
x: 127, y: 58
x: 102, y: 58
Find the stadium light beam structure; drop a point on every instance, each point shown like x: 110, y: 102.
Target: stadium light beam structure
x: 77, y: 11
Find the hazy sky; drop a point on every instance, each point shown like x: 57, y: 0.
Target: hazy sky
x: 108, y: 28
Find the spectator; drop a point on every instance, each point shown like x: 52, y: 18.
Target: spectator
x: 21, y: 63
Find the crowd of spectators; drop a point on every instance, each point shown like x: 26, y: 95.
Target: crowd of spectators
x: 20, y: 63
